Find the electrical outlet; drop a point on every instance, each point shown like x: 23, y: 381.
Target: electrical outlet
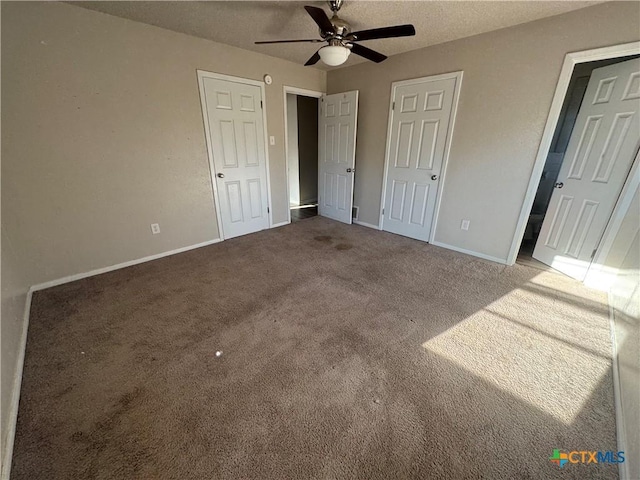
x: 155, y: 228
x: 465, y: 225
x: 272, y: 140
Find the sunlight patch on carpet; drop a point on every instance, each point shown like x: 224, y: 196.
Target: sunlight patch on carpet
x: 536, y: 346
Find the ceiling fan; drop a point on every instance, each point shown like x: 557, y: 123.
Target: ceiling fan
x: 341, y: 40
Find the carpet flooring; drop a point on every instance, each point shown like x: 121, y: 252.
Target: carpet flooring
x: 316, y: 351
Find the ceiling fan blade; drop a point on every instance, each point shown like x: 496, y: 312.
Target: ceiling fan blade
x: 315, y: 40
x: 367, y: 53
x: 313, y: 60
x: 320, y: 18
x: 385, y: 32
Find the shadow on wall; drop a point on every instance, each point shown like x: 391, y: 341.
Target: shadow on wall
x: 308, y: 149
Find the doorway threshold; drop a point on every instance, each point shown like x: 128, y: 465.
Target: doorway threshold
x: 302, y: 212
x: 528, y: 261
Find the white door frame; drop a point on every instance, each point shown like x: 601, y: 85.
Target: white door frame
x: 447, y: 149
x: 293, y: 91
x: 599, y: 275
x: 202, y: 74
x: 570, y: 61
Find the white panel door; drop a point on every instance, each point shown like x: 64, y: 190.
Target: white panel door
x: 337, y: 154
x: 236, y: 133
x: 597, y: 162
x: 417, y: 143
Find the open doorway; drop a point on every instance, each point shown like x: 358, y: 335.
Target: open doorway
x: 593, y: 142
x: 302, y: 153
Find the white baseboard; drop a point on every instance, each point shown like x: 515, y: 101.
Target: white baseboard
x: 623, y: 469
x: 470, y: 252
x: 281, y: 224
x: 7, y: 454
x: 365, y: 224
x: 79, y: 276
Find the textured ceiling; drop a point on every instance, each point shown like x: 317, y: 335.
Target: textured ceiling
x: 240, y: 23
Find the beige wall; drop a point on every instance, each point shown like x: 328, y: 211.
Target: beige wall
x: 625, y: 300
x: 626, y: 303
x: 102, y: 136
x: 509, y: 80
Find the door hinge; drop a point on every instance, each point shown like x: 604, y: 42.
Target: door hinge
x: 268, y: 211
x: 383, y: 211
x: 261, y: 104
x: 593, y: 254
x: 393, y: 107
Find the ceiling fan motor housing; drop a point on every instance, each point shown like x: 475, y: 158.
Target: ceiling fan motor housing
x: 341, y: 29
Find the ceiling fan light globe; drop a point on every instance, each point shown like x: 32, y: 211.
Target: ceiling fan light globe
x: 334, y: 55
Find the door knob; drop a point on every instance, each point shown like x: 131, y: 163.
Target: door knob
x: 349, y: 170
x: 434, y: 177
x: 220, y: 175
x: 559, y: 185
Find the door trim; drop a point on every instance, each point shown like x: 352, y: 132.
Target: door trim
x: 599, y: 276
x: 202, y: 74
x: 570, y: 61
x: 447, y: 148
x: 286, y: 89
